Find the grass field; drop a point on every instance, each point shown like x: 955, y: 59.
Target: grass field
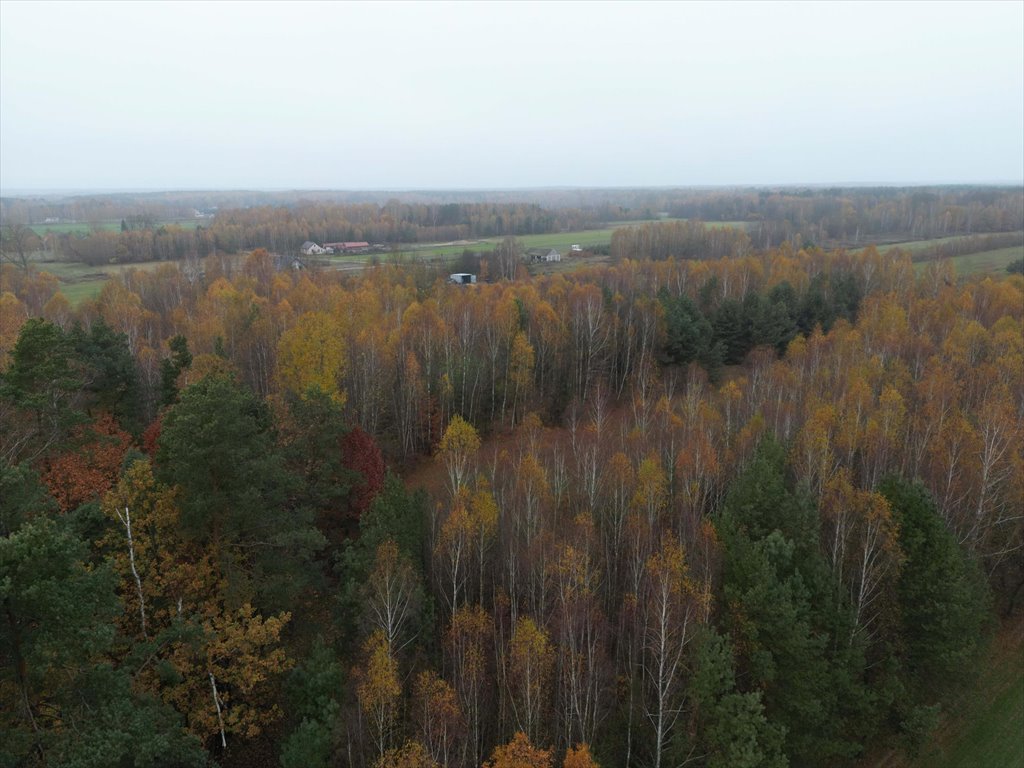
x: 987, y: 727
x: 446, y: 251
x: 111, y: 225
x: 78, y: 292
x: 81, y: 281
x: 77, y: 227
x: 978, y: 263
x: 987, y: 261
x: 968, y: 264
x: 995, y: 735
x: 561, y: 240
x: 913, y: 246
x: 984, y: 728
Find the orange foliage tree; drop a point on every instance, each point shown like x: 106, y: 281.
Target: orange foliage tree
x: 519, y: 753
x: 92, y: 468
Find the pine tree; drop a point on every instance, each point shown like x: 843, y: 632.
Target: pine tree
x: 941, y: 594
x: 785, y: 612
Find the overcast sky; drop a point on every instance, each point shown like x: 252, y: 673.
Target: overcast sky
x: 196, y: 95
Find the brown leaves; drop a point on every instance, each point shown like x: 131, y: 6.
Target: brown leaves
x: 579, y: 757
x: 183, y: 589
x: 438, y: 716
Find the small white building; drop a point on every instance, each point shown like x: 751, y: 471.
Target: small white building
x: 462, y: 278
x: 543, y: 254
x: 310, y: 248
x: 283, y: 262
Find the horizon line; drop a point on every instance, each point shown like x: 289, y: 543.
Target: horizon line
x: 13, y: 192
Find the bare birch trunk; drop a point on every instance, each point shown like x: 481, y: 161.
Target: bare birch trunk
x: 126, y: 521
x: 220, y: 716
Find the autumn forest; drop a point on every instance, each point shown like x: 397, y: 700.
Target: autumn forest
x: 715, y: 496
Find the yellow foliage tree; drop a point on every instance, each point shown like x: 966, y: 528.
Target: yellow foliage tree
x: 12, y: 314
x: 672, y: 603
x: 312, y: 355
x: 242, y: 655
x: 457, y: 447
x: 530, y: 664
x: 438, y: 716
x: 485, y: 527
x: 378, y: 690
x: 651, y: 494
x: 520, y: 370
x: 469, y: 641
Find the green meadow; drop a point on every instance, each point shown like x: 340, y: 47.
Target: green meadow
x: 994, y: 262
x: 107, y: 225
x: 79, y: 281
x: 987, y: 261
x: 587, y: 238
x: 984, y: 726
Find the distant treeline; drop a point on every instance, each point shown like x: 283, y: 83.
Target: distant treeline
x: 679, y: 239
x: 284, y: 230
x: 855, y: 217
x: 132, y: 246
x: 696, y: 240
x: 606, y: 204
x: 281, y: 229
x: 282, y: 221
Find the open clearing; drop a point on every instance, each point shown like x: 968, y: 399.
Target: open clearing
x: 107, y: 225
x: 80, y: 281
x: 913, y: 246
x: 560, y: 240
x: 987, y: 261
x: 77, y: 227
x: 587, y: 238
x: 968, y: 264
x: 994, y: 262
x: 984, y: 728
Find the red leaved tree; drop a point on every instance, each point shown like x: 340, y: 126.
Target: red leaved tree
x: 360, y: 453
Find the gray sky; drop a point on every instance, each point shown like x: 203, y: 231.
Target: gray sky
x: 393, y: 95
